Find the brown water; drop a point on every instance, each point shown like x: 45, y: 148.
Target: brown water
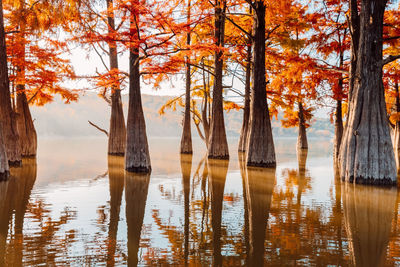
x: 73, y: 206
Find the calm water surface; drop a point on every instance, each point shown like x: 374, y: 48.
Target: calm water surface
x: 73, y: 206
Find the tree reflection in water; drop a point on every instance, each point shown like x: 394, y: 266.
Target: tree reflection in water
x: 202, y: 216
x: 116, y: 174
x: 136, y: 190
x: 368, y: 213
x: 217, y: 177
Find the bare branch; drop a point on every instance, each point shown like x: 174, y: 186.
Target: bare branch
x: 98, y: 128
x: 389, y: 59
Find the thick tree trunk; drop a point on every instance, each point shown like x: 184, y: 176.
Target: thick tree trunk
x: 7, y: 115
x: 186, y: 168
x: 302, y: 142
x: 366, y: 153
x: 338, y: 130
x: 116, y: 176
x: 4, y: 167
x: 136, y: 190
x: 260, y: 147
x: 368, y: 213
x: 137, y: 158
x: 218, y: 145
x: 246, y: 109
x: 217, y: 175
x: 186, y: 141
x: 260, y: 185
x: 355, y: 40
x: 26, y: 128
x: 117, y: 135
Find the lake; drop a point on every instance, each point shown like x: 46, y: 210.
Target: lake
x: 74, y: 206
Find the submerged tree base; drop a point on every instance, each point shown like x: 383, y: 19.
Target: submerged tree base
x: 15, y: 163
x: 371, y: 181
x: 262, y: 164
x: 139, y: 169
x: 118, y: 154
x: 218, y: 157
x: 4, y: 176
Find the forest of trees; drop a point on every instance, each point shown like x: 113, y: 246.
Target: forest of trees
x: 265, y: 57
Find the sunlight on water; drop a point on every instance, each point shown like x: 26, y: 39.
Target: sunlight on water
x: 74, y: 206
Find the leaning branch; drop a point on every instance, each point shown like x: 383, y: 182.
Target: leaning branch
x: 98, y: 128
x: 389, y: 59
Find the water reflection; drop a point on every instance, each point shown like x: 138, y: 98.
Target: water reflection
x: 198, y: 212
x: 186, y: 168
x: 368, y: 213
x: 116, y: 174
x: 259, y: 185
x: 136, y: 190
x: 217, y: 176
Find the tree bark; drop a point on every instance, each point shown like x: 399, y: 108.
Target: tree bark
x: 218, y: 145
x: 368, y: 213
x: 260, y: 147
x: 186, y: 140
x: 7, y: 115
x: 246, y: 109
x: 26, y: 128
x: 260, y: 185
x: 355, y: 40
x: 217, y: 175
x: 136, y: 190
x: 116, y: 175
x: 137, y: 158
x: 338, y: 130
x: 117, y: 135
x: 302, y: 142
x: 186, y: 167
x: 366, y: 153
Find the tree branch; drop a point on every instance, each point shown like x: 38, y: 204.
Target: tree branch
x: 389, y: 59
x: 98, y: 128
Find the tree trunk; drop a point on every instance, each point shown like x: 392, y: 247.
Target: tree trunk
x: 116, y: 175
x: 186, y: 141
x: 137, y: 158
x: 368, y: 213
x: 4, y: 167
x: 26, y: 128
x: 260, y: 148
x: 186, y: 167
x: 218, y: 145
x: 355, y: 40
x: 260, y: 185
x: 366, y: 153
x: 217, y: 170
x: 302, y: 142
x: 338, y: 130
x: 117, y: 135
x: 246, y: 109
x: 7, y: 115
x: 136, y: 190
